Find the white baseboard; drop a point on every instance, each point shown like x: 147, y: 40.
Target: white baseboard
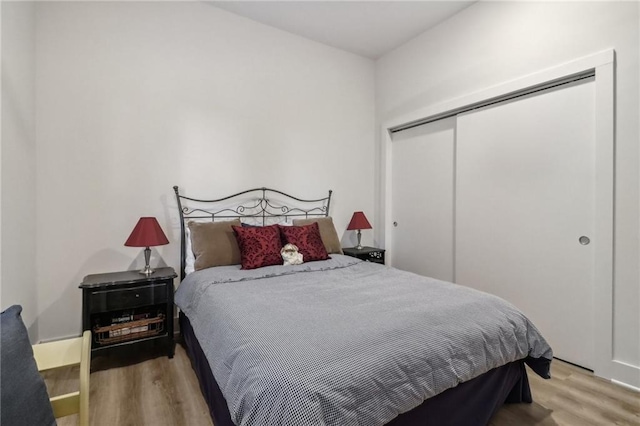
x: 624, y: 385
x: 626, y: 375
x: 55, y: 339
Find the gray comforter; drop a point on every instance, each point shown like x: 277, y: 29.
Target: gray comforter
x: 345, y: 342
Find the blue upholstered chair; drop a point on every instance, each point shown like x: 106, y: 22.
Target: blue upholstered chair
x: 23, y: 393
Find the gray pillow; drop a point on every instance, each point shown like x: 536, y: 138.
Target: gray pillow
x: 25, y: 401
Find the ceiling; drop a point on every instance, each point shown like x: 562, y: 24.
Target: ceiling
x: 367, y: 28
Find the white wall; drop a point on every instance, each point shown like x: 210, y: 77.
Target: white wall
x: 133, y: 98
x: 493, y: 42
x: 18, y: 276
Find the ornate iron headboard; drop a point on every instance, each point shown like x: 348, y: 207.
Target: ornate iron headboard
x: 261, y: 205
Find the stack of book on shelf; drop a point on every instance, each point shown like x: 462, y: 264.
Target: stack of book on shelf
x: 129, y: 326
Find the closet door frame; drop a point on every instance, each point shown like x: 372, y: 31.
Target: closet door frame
x: 602, y: 65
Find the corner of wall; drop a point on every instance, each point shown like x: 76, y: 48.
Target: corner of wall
x: 17, y: 161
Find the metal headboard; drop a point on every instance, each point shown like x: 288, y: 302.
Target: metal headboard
x: 262, y: 205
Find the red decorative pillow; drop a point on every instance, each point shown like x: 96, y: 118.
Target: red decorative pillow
x: 308, y: 240
x: 259, y: 246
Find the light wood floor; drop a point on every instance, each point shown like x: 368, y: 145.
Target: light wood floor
x: 161, y: 391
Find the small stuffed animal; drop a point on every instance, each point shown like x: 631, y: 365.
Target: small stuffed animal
x: 290, y: 255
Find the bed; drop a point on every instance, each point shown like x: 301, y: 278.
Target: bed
x: 341, y: 341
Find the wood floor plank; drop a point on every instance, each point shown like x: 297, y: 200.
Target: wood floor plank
x: 161, y: 391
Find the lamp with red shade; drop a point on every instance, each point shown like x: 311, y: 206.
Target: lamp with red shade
x: 147, y: 233
x: 358, y: 221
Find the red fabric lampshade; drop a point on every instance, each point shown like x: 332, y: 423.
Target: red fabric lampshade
x: 147, y: 233
x: 358, y: 221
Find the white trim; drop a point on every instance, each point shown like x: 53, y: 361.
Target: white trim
x: 603, y: 231
x: 522, y: 83
x: 603, y: 64
x: 624, y: 373
x: 56, y: 339
x: 386, y: 197
x: 624, y: 385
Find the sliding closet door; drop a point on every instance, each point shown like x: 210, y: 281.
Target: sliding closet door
x: 422, y: 199
x: 525, y: 210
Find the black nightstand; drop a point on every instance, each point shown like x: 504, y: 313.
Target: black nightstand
x: 128, y: 308
x: 370, y: 254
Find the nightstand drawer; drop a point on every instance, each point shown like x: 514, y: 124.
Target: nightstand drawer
x: 109, y: 300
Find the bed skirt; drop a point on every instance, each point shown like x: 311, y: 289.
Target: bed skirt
x: 471, y: 403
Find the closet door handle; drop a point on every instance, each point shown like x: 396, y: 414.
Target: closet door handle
x: 395, y: 224
x: 584, y: 240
